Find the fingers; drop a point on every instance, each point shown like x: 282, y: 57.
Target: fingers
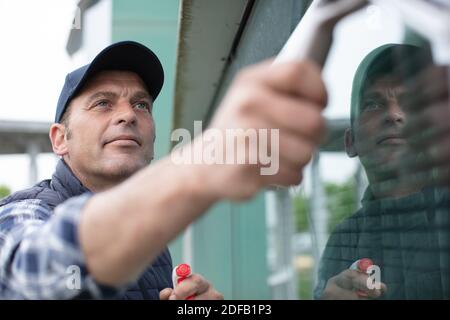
x: 334, y: 292
x: 295, y: 115
x: 289, y: 97
x: 431, y: 156
x: 434, y: 176
x: 259, y: 108
x: 431, y: 85
x: 358, y: 281
x: 165, y: 293
x: 300, y: 124
x: 427, y: 129
x: 300, y: 79
x: 428, y: 135
x: 347, y: 284
x: 211, y: 294
x: 295, y: 153
x: 193, y: 285
x: 283, y: 102
x: 433, y: 118
x: 349, y: 279
x: 284, y: 177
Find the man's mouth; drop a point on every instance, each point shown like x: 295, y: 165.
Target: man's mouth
x: 125, y: 140
x: 391, y: 140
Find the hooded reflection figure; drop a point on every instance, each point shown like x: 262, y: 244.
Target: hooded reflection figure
x: 403, y: 225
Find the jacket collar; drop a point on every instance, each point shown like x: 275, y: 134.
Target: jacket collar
x: 66, y: 183
x: 413, y: 201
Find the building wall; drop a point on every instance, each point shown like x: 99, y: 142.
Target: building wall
x: 155, y: 24
x: 229, y: 242
x: 268, y: 27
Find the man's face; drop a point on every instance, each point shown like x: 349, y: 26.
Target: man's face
x: 377, y: 130
x: 111, y: 128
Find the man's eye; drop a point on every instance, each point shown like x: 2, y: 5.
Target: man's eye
x: 102, y: 103
x: 143, y: 106
x: 372, y: 106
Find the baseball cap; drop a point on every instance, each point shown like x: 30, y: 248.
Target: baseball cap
x: 125, y: 55
x: 402, y: 60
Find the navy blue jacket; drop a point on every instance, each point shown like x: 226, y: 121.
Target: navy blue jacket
x: 65, y: 185
x: 407, y: 237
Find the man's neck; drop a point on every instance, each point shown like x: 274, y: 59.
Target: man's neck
x: 97, y: 185
x: 94, y: 183
x: 395, y: 187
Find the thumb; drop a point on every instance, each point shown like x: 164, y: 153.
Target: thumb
x: 165, y: 294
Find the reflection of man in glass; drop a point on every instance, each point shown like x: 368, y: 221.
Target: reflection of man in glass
x: 403, y: 223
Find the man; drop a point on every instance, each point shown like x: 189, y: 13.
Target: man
x: 403, y: 225
x: 110, y: 216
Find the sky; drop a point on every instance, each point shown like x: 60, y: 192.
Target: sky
x: 33, y: 60
x: 34, y: 63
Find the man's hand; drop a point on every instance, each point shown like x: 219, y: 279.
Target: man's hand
x: 161, y: 200
x: 287, y: 97
x: 193, y: 285
x: 428, y: 128
x: 345, y: 285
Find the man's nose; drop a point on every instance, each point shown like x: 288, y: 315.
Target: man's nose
x: 125, y: 114
x: 395, y: 113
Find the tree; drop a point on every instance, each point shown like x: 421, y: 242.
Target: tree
x: 301, y: 208
x: 4, y: 191
x: 340, y: 203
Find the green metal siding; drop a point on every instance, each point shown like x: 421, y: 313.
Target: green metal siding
x: 230, y: 249
x: 155, y: 24
x: 267, y: 29
x: 230, y: 240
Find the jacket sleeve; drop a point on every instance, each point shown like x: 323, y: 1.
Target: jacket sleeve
x: 40, y: 254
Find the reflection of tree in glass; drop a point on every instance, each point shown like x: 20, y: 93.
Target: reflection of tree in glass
x: 340, y: 202
x: 4, y: 191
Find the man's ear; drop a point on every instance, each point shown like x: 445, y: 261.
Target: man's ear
x: 350, y: 143
x: 57, y: 137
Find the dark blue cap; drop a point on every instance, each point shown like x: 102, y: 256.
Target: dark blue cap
x: 126, y: 56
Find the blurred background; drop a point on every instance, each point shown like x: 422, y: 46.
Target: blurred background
x: 267, y: 248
